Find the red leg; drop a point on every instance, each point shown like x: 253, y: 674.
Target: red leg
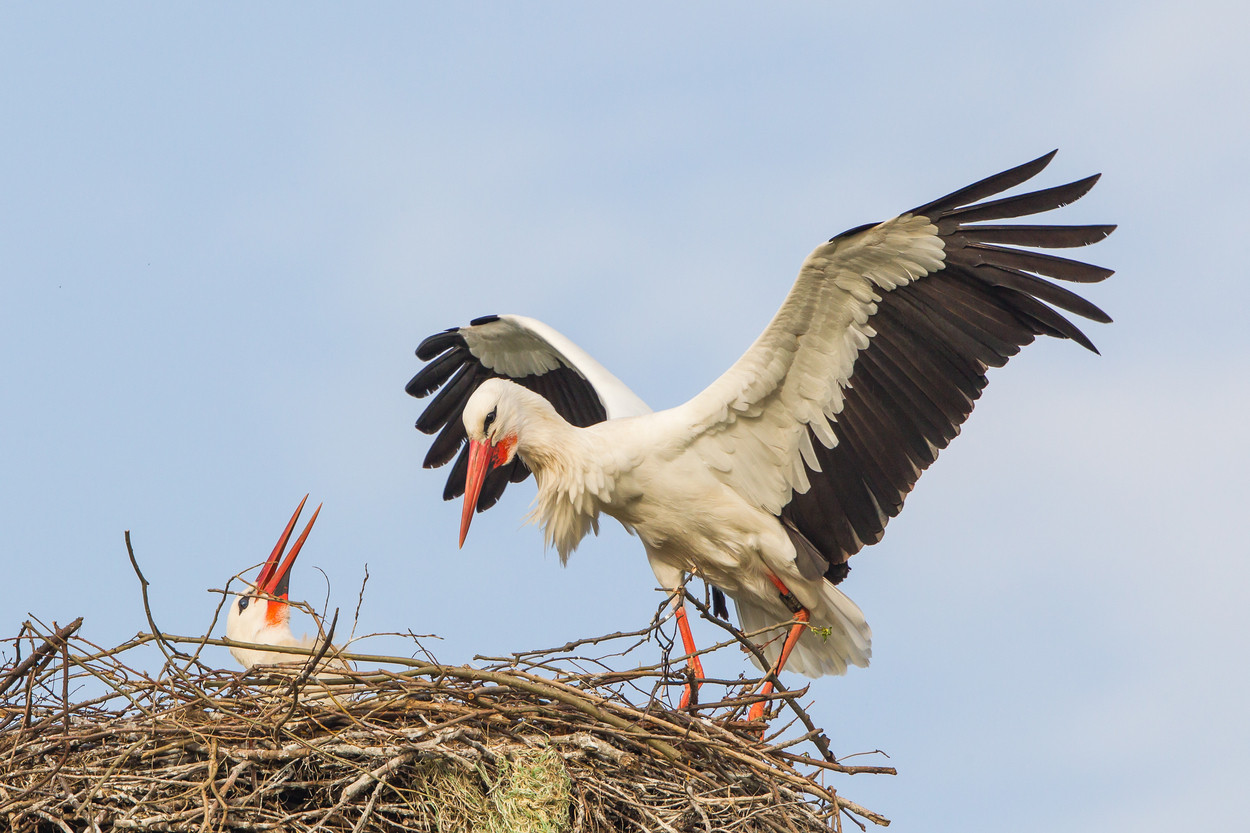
x: 792, y: 638
x: 687, y: 641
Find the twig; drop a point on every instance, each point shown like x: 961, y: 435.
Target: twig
x: 41, y: 654
x: 147, y: 607
x: 360, y: 600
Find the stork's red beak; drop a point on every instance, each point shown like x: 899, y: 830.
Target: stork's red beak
x: 479, y: 464
x: 275, y: 578
x: 482, y: 458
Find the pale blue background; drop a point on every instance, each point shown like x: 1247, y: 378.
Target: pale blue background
x: 223, y: 230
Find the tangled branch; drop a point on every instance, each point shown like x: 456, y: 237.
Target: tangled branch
x: 539, y: 740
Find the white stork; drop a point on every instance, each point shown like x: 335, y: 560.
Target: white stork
x: 263, y: 616
x: 765, y: 483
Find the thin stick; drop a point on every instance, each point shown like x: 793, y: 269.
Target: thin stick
x: 41, y: 654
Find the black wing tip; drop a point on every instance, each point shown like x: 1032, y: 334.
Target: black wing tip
x: 1024, y: 172
x: 414, y: 388
x: 1098, y: 315
x: 431, y: 346
x: 987, y: 187
x: 1033, y: 167
x: 425, y: 427
x: 1102, y: 232
x: 1083, y: 340
x: 1080, y: 187
x: 1080, y: 338
x: 852, y: 231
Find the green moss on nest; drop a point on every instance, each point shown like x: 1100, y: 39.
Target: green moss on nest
x: 530, y: 792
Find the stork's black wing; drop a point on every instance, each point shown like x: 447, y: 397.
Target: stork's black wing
x: 932, y: 341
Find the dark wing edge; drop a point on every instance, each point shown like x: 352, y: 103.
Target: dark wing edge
x: 914, y: 385
x: 452, y: 373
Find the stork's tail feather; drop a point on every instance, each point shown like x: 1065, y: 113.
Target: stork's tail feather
x: 837, y: 637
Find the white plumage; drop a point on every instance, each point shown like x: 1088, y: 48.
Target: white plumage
x: 797, y: 456
x: 528, y: 347
x: 252, y: 624
x: 642, y: 472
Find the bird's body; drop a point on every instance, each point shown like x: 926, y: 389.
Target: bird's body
x: 276, y: 633
x: 689, y: 520
x: 771, y: 478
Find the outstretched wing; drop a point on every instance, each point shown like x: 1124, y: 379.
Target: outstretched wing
x: 527, y: 352
x: 878, y: 353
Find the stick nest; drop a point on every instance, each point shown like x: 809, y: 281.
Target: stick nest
x: 538, y: 741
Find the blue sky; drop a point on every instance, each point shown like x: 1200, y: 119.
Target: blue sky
x: 224, y: 229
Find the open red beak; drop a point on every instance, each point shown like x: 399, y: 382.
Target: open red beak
x: 275, y: 578
x: 479, y: 464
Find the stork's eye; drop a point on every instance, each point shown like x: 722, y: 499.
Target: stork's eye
x: 490, y: 418
x: 243, y: 600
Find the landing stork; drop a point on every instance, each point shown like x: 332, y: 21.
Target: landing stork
x: 771, y: 478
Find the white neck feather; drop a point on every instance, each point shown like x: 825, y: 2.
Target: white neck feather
x: 572, y: 471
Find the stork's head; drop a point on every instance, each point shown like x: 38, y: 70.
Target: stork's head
x: 263, y: 615
x: 492, y: 421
